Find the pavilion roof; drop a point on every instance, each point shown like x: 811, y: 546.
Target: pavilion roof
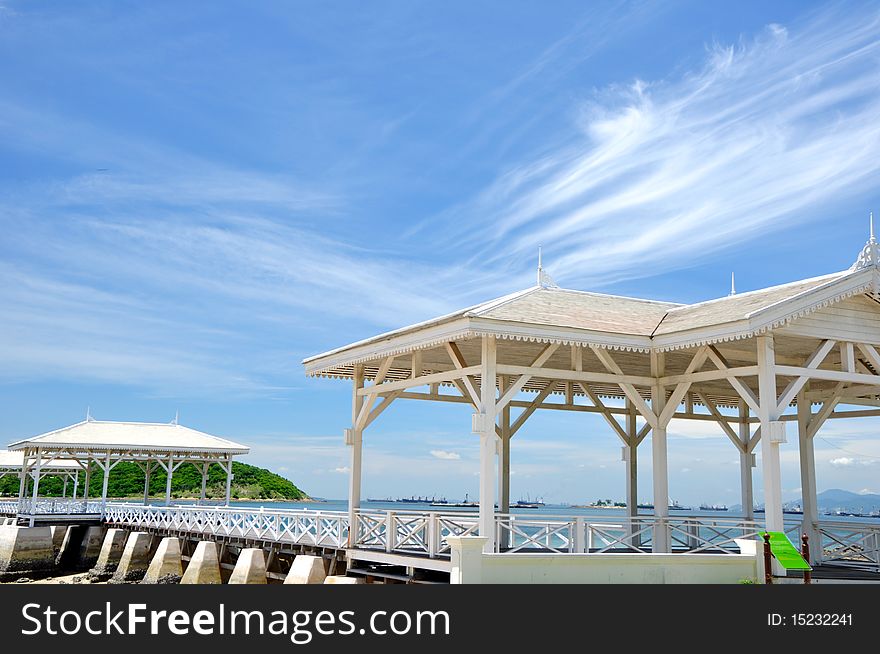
x: 12, y: 461
x: 552, y: 314
x: 159, y: 438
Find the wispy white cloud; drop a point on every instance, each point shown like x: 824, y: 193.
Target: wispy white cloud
x: 446, y: 456
x: 658, y: 174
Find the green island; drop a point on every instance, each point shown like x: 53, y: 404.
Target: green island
x: 127, y: 480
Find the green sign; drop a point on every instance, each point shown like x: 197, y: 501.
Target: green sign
x: 786, y: 553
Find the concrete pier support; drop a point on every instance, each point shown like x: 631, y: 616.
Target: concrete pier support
x: 307, y: 569
x: 58, y: 533
x: 135, y: 559
x: 166, y: 566
x: 204, y: 566
x: 342, y: 579
x: 250, y: 567
x: 109, y: 556
x: 25, y: 551
x: 90, y: 547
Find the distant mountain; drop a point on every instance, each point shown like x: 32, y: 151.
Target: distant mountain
x: 835, y: 499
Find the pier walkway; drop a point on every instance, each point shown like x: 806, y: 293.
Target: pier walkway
x: 418, y: 539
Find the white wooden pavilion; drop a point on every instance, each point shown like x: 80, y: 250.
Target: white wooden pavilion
x: 751, y: 362
x: 105, y: 444
x: 12, y: 463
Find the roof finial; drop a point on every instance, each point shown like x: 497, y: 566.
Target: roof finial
x: 870, y: 255
x: 176, y: 420
x: 732, y: 283
x: 544, y: 278
x: 89, y: 414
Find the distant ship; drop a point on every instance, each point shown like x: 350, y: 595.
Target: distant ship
x: 528, y: 504
x: 441, y: 502
x: 793, y: 510
x: 466, y: 503
x: 713, y: 507
x: 675, y: 506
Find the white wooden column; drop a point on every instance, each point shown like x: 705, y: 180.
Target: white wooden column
x: 769, y: 413
x: 658, y: 457
x: 204, y: 482
x: 356, y: 444
x: 168, y: 480
x: 64, y: 488
x: 37, y: 465
x: 745, y: 463
x: 485, y: 426
x: 504, y: 454
x: 631, y: 460
x: 75, y: 485
x: 105, y: 482
x: 148, y: 468
x: 229, y: 478
x: 88, y: 479
x: 808, y: 476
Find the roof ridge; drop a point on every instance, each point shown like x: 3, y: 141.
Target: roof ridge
x: 761, y: 290
x: 618, y: 297
x: 501, y: 301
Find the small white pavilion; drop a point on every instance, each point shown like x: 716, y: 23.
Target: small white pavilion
x: 751, y: 362
x: 11, y: 463
x: 105, y: 444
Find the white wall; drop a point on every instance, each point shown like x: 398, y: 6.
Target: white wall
x: 470, y: 566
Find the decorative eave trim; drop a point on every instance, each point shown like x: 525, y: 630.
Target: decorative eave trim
x: 467, y: 328
x: 766, y: 319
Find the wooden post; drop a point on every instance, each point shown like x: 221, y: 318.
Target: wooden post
x: 64, y: 488
x: 808, y: 469
x: 36, y: 485
x: 147, y: 470
x: 106, y: 480
x: 88, y: 479
x: 631, y: 458
x: 745, y: 462
x: 768, y: 560
x: 658, y: 458
x: 229, y: 478
x: 486, y: 429
x: 356, y: 445
x: 769, y: 413
x: 805, y: 552
x: 204, y: 482
x: 168, y: 480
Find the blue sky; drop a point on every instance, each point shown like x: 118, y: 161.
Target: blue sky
x: 195, y: 196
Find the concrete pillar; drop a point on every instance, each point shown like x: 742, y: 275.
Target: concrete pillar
x: 166, y: 566
x: 356, y: 453
x: 108, y: 557
x: 90, y: 547
x: 58, y: 533
x: 250, y: 567
x: 658, y: 459
x: 746, y: 463
x: 135, y: 558
x: 307, y: 569
x: 342, y: 579
x: 486, y: 428
x: 204, y: 566
x: 467, y: 559
x: 809, y: 497
x: 771, y: 437
x: 25, y: 551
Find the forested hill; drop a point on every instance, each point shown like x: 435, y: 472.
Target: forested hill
x: 127, y: 480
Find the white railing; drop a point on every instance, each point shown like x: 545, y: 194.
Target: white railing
x: 411, y: 532
x: 299, y: 527
x: 851, y: 544
x: 55, y: 505
x: 9, y: 507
